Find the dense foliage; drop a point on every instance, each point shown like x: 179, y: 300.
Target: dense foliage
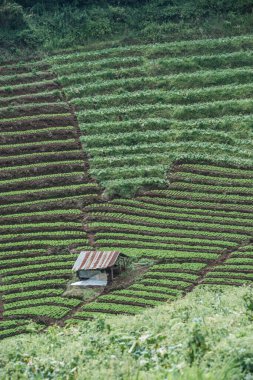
x: 206, y: 336
x: 54, y: 24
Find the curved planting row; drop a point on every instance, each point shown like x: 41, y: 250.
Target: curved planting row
x: 198, y: 231
x: 43, y: 184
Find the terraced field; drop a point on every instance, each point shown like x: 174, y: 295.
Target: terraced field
x: 142, y: 107
x: 44, y: 182
x: 173, y: 121
x: 199, y: 231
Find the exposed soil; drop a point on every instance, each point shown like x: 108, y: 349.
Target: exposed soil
x: 37, y: 123
x: 219, y: 261
x: 25, y: 79
x: 33, y: 88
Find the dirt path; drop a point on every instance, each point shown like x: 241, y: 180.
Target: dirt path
x: 219, y: 261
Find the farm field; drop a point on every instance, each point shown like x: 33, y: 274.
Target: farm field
x: 44, y: 180
x: 198, y: 231
x: 145, y: 149
x: 142, y: 107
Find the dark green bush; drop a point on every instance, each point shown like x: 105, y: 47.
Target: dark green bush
x: 11, y: 15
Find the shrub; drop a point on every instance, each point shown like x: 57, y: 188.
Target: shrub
x: 11, y: 15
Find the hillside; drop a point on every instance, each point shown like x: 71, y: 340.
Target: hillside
x: 146, y: 148
x: 205, y: 336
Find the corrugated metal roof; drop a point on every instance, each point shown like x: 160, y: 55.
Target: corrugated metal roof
x: 95, y: 260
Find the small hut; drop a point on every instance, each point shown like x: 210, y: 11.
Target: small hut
x: 99, y: 268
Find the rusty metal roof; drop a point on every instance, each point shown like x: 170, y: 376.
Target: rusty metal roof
x: 95, y: 260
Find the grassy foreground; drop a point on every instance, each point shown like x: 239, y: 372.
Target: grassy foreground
x: 206, y: 335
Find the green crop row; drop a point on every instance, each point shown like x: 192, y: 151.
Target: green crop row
x: 132, y: 79
x: 62, y: 225
x: 31, y: 294
x: 9, y: 111
x: 36, y: 132
x: 67, y: 70
x: 201, y: 178
x: 41, y: 165
x: 161, y: 242
x: 179, y: 267
x: 178, y: 185
x: 109, y: 208
x: 47, y: 190
x: 45, y: 301
x: 10, y: 288
x: 183, y: 97
x: 42, y: 242
x: 223, y: 123
x: 228, y: 281
x: 66, y: 264
x: 153, y: 50
x: 154, y: 243
x: 43, y: 259
x: 83, y: 197
x: 9, y: 323
x: 141, y: 293
x: 180, y: 112
x: 179, y: 150
x: 189, y: 242
x: 163, y: 254
x: 180, y: 284
x: 240, y: 261
x: 170, y: 292
x: 45, y: 214
x: 189, y: 224
x: 173, y: 275
x: 28, y: 276
x: 38, y: 155
x: 54, y: 312
x: 138, y: 204
x: 155, y: 136
x: 121, y: 299
x: 116, y: 308
x: 203, y: 196
x: 35, y: 143
x: 27, y: 235
x: 164, y: 231
x: 232, y: 274
x: 164, y: 201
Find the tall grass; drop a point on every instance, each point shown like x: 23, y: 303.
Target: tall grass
x: 205, y: 336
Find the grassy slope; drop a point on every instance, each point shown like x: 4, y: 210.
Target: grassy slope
x: 205, y: 336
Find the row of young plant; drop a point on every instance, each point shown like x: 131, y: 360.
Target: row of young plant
x: 181, y: 97
x: 32, y: 294
x: 158, y: 243
x: 211, y: 180
x: 183, y: 48
x: 155, y: 203
x: 166, y: 231
x: 176, y: 215
x: 223, y: 123
x: 134, y: 79
x: 156, y: 77
x: 36, y: 268
x: 216, y: 170
x: 49, y: 311
x: 45, y: 300
x: 172, y: 135
x: 194, y: 243
x: 181, y: 224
